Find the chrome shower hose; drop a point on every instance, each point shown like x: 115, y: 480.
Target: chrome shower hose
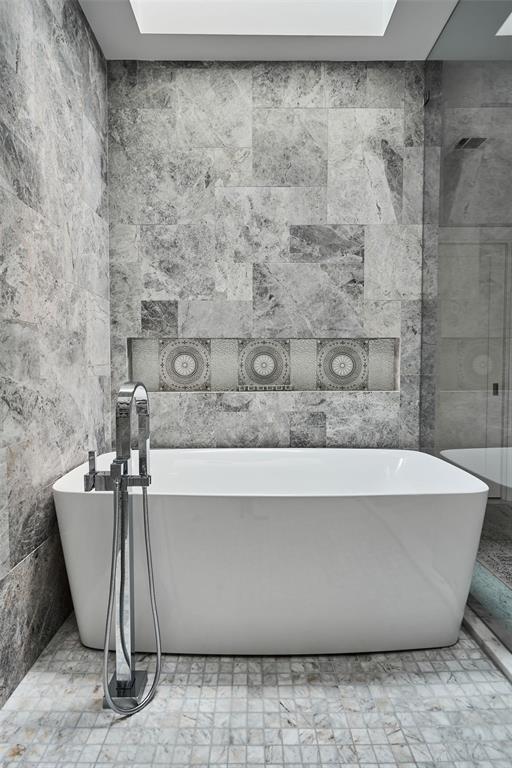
x: 126, y: 711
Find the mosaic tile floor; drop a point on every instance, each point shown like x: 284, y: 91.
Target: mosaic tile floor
x: 495, y: 551
x: 448, y: 708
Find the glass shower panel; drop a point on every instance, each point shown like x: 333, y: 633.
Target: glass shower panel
x: 467, y: 411
x: 471, y: 375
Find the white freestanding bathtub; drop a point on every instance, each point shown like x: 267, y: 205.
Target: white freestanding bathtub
x: 285, y: 551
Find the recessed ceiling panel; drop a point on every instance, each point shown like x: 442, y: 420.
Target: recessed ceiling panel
x: 347, y: 18
x: 506, y: 27
x: 333, y: 33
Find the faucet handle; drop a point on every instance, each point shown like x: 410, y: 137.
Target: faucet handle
x: 90, y: 477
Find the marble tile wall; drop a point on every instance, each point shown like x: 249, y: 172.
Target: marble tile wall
x: 269, y: 201
x: 54, y: 308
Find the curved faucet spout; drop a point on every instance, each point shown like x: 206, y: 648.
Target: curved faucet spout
x: 129, y: 394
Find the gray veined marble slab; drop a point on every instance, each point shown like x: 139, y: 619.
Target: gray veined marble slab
x: 26, y: 607
x: 288, y: 84
x: 385, y: 84
x: 366, y: 149
x: 288, y: 259
x: 252, y: 224
x: 346, y: 84
x: 410, y: 349
x: 177, y: 261
x: 233, y: 166
x: 290, y: 147
x: 382, y: 318
x: 152, y: 83
x: 228, y: 318
x: 159, y: 318
x: 308, y: 299
x: 409, y: 412
x: 89, y: 245
x: 176, y: 185
x: 362, y: 418
x: 20, y: 173
x: 313, y: 243
x: 55, y: 297
x: 214, y: 106
x: 307, y: 430
x: 393, y: 262
x: 94, y: 169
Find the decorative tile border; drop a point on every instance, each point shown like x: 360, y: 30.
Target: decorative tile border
x: 264, y: 365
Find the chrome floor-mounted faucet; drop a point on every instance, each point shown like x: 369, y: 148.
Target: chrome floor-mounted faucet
x: 124, y: 693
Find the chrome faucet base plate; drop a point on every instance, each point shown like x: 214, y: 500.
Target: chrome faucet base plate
x: 127, y: 697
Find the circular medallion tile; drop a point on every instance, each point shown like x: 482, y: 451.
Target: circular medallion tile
x: 342, y: 365
x: 264, y: 363
x: 185, y: 364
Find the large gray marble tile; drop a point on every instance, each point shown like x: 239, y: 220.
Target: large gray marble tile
x: 233, y: 166
x: 307, y: 430
x: 393, y: 262
x: 123, y: 243
x: 4, y: 518
x: 183, y: 420
x: 312, y: 243
x: 290, y: 147
x: 159, y: 318
x: 307, y: 205
x: 97, y: 327
x: 346, y: 84
x: 254, y: 430
x: 214, y: 106
x: 154, y: 87
x: 410, y: 348
x: 18, y: 104
x: 409, y: 437
x: 177, y: 262
x: 31, y: 520
x: 288, y: 84
x: 308, y: 299
x: 35, y: 260
x: 88, y: 236
x: 122, y: 84
x: 382, y: 318
x: 20, y: 172
x: 363, y: 420
x: 413, y: 175
x: 227, y: 318
x: 176, y: 186
x: 414, y: 103
x: 17, y: 37
x: 34, y: 601
x: 385, y: 84
x: 366, y: 149
x: 125, y: 298
x: 252, y: 224
x: 94, y: 169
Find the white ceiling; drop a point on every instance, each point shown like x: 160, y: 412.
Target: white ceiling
x: 414, y: 28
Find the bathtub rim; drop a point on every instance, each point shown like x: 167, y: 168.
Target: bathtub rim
x: 475, y: 485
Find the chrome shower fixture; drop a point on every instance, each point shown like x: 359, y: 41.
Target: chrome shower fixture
x: 124, y: 693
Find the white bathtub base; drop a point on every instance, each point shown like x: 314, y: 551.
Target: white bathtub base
x: 284, y: 575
